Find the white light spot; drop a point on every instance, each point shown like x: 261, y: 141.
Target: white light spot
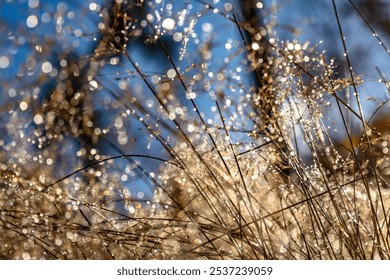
x: 178, y: 36
x: 123, y: 85
x: 140, y: 195
x: 93, y: 85
x: 93, y: 6
x: 70, y: 15
x: 171, y: 73
x: 228, y: 7
x: 23, y: 105
x: 190, y: 128
x: 32, y: 21
x: 4, y: 62
x: 168, y: 24
x: 191, y: 95
x: 26, y: 256
x: 78, y: 33
x: 12, y: 92
x: 46, y: 67
x: 122, y: 139
x: 255, y: 46
x: 207, y: 27
x: 63, y: 63
x: 38, y: 119
x: 131, y: 210
x: 114, y: 61
x: 33, y: 3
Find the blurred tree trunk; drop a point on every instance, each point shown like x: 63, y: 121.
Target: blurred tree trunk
x: 264, y: 76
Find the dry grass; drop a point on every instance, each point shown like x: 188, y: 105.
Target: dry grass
x: 241, y: 164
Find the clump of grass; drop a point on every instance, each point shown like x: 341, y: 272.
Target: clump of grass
x: 239, y: 152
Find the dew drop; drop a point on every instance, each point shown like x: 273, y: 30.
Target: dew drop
x: 32, y: 21
x: 255, y: 46
x: 46, y: 67
x: 171, y: 73
x: 198, y: 241
x: 26, y: 256
x: 122, y: 139
x: 93, y: 6
x: 23, y: 105
x: 93, y: 85
x: 140, y: 195
x: 4, y: 62
x: 33, y: 3
x: 58, y: 242
x: 228, y: 7
x: 38, y: 119
x: 168, y: 24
